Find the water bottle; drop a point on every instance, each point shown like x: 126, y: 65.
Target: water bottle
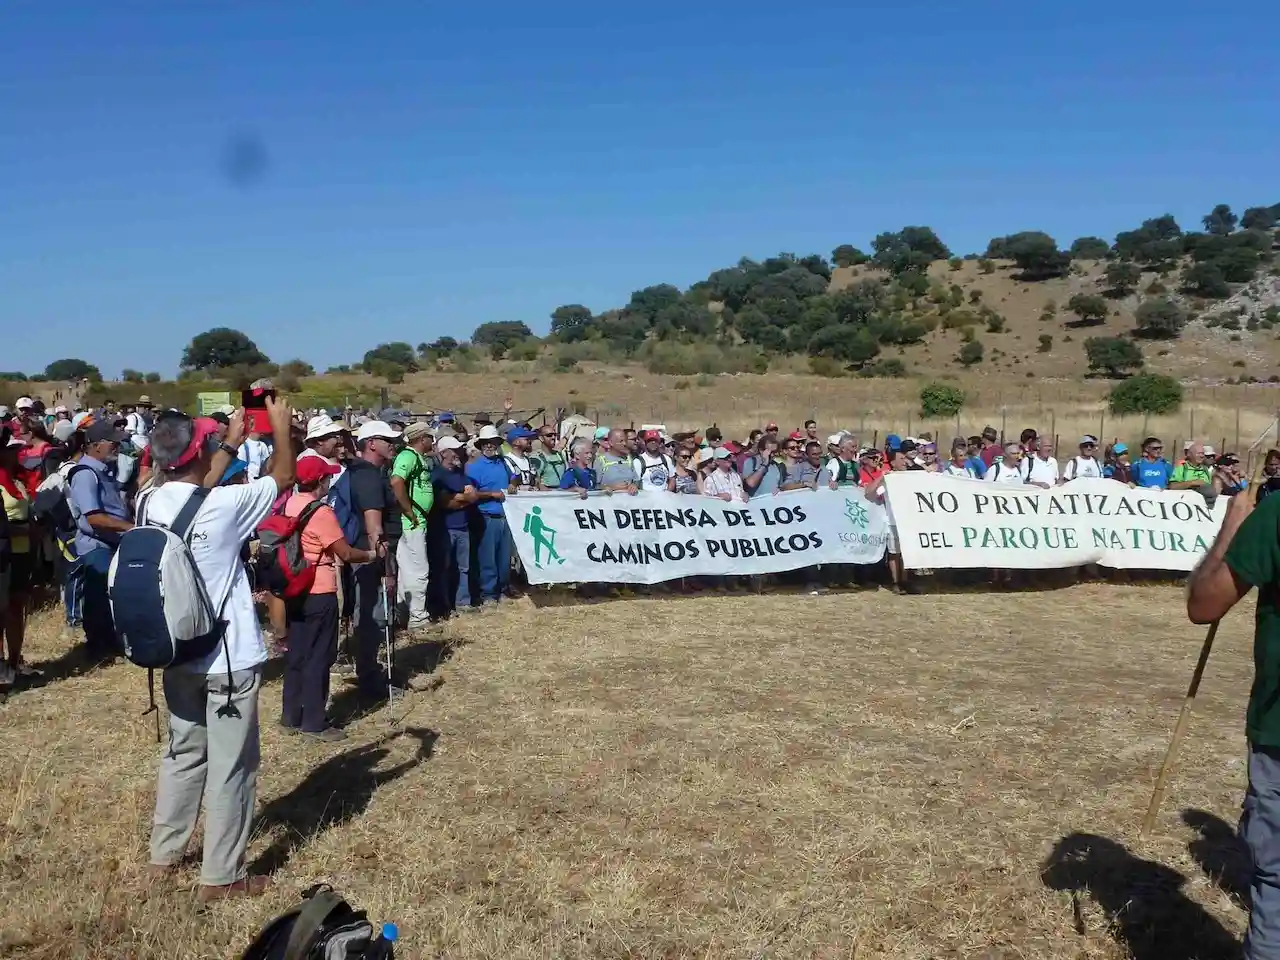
x: 383, y: 946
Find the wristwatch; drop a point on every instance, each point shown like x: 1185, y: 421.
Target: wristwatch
x: 228, y: 449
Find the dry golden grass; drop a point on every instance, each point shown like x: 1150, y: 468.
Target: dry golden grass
x: 854, y: 775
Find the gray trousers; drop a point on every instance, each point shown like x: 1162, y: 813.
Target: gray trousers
x: 211, y: 757
x: 412, y: 574
x: 1260, y: 830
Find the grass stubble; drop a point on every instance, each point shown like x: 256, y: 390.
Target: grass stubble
x: 853, y: 775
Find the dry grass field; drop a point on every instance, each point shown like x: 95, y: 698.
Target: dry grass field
x: 727, y: 776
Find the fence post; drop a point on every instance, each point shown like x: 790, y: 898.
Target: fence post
x: 1237, y: 446
x: 1003, y: 414
x: 1102, y: 426
x: 1192, y: 434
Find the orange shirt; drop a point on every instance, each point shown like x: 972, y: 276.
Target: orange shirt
x: 318, y: 537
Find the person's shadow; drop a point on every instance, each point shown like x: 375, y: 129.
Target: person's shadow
x: 411, y: 661
x: 332, y: 794
x: 1146, y: 910
x: 1221, y: 854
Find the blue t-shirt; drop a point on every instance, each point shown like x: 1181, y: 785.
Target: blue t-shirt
x: 976, y: 467
x: 489, y: 476
x: 446, y: 483
x: 584, y: 478
x: 1152, y: 473
x: 95, y: 490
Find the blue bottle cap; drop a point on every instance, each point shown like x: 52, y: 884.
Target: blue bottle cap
x: 390, y: 932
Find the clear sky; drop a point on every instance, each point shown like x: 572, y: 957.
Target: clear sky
x: 431, y: 166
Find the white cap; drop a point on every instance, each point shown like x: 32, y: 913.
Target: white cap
x: 377, y: 429
x: 80, y: 419
x: 59, y: 409
x: 1208, y: 451
x: 448, y: 443
x: 834, y: 439
x: 4, y: 411
x: 323, y: 425
x: 706, y: 454
x: 488, y: 432
x: 25, y: 403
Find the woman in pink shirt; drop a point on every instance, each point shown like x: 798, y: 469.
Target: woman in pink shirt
x: 313, y: 618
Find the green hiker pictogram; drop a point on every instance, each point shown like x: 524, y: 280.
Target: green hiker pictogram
x: 856, y: 511
x: 543, y: 536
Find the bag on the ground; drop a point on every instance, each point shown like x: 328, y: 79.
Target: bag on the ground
x: 282, y: 567
x: 322, y: 927
x: 351, y: 523
x: 159, y: 602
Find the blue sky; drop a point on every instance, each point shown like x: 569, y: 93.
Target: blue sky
x: 430, y: 167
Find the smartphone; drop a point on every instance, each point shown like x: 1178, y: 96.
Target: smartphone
x: 255, y: 410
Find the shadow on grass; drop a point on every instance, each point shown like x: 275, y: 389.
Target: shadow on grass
x: 334, y: 793
x: 1146, y: 910
x: 415, y: 659
x: 1221, y: 854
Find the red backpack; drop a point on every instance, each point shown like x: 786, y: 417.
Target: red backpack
x: 282, y: 568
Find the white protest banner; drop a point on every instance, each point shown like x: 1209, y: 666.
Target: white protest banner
x: 655, y: 535
x: 947, y: 521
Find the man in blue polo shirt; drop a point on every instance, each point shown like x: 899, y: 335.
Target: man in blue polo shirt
x: 493, y: 480
x: 101, y: 516
x: 1152, y: 469
x: 448, y: 533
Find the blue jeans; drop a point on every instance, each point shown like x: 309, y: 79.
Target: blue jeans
x: 99, y: 628
x: 73, y: 591
x: 1260, y: 830
x: 494, y: 558
x: 449, y: 556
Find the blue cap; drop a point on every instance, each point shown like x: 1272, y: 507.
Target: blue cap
x: 893, y: 441
x: 390, y: 932
x: 1119, y: 448
x: 520, y: 433
x: 234, y: 469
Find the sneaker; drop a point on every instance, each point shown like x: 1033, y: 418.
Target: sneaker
x: 343, y: 667
x: 27, y: 672
x: 7, y: 675
x: 327, y: 735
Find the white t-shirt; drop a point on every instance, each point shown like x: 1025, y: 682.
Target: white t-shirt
x: 228, y: 518
x: 653, y: 471
x: 951, y: 470
x: 255, y: 454
x: 1000, y: 472
x: 519, y: 465
x: 1082, y: 467
x: 1042, y: 471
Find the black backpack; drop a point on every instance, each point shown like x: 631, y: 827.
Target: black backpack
x: 323, y: 925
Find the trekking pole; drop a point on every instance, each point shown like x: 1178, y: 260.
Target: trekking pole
x: 389, y: 600
x: 1179, y: 730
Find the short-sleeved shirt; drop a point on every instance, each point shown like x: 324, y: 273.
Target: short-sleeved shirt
x: 1254, y: 557
x: 410, y: 467
x: 370, y: 491
x: 318, y: 537
x: 769, y: 483
x: 1001, y: 472
x: 549, y: 467
x: 802, y: 471
x: 95, y: 491
x: 447, y: 483
x: 1151, y: 473
x: 489, y: 475
x: 612, y: 470
x: 989, y: 455
x: 1185, y: 472
x: 582, y: 478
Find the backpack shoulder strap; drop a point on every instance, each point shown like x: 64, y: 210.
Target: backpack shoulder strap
x: 181, y: 525
x: 310, y: 920
x: 309, y: 511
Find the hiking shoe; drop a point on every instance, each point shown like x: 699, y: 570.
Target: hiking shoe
x: 343, y: 667
x: 248, y: 887
x: 7, y: 676
x: 27, y: 672
x: 327, y: 735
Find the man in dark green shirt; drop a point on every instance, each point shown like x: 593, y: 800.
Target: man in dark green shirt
x: 1246, y: 554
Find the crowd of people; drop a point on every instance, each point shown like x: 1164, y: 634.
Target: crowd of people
x: 401, y: 521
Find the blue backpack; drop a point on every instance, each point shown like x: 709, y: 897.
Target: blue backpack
x: 340, y: 499
x: 159, y: 602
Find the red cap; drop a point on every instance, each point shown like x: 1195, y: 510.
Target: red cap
x: 795, y: 435
x: 311, y: 470
x: 650, y: 435
x: 202, y: 429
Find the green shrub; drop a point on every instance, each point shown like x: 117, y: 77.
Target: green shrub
x: 1046, y: 343
x: 940, y: 400
x: 885, y: 367
x: 986, y: 266
x: 995, y: 323
x: 959, y: 320
x: 955, y: 263
x: 971, y: 353
x: 975, y: 297
x: 1146, y: 393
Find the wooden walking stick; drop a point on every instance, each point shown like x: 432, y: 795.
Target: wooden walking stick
x: 1179, y: 729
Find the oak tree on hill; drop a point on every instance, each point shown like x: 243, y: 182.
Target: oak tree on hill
x: 847, y: 255
x: 502, y: 333
x: 1160, y: 319
x: 71, y: 368
x: 1114, y: 356
x: 384, y: 355
x: 911, y: 248
x: 1090, y: 248
x: 1220, y: 221
x: 1089, y: 307
x: 221, y: 347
